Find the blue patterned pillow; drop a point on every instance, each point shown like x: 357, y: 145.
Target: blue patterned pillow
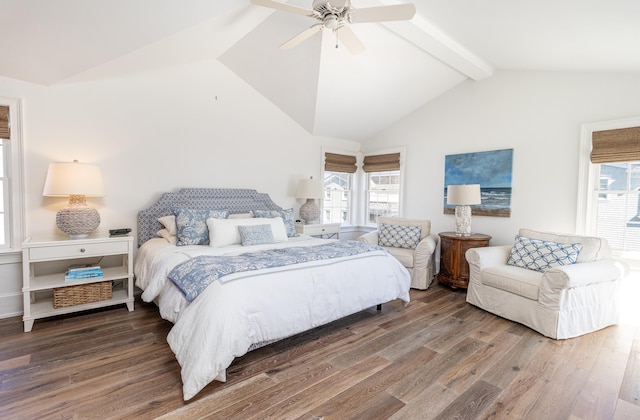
x: 287, y: 216
x: 397, y: 236
x: 539, y: 255
x: 256, y: 235
x: 191, y: 225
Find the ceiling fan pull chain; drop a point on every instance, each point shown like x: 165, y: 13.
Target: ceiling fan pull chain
x: 336, y: 31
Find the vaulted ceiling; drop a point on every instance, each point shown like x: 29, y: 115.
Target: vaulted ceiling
x: 325, y: 89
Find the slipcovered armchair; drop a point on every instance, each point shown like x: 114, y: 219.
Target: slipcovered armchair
x: 411, y: 242
x: 562, y: 286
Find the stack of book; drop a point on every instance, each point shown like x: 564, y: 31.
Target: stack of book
x: 78, y: 272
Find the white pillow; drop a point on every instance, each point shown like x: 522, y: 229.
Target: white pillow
x: 240, y: 216
x: 169, y: 223
x: 164, y: 233
x: 224, y: 232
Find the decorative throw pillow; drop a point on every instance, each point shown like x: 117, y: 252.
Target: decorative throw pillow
x: 191, y: 225
x: 225, y: 232
x: 256, y: 235
x: 287, y: 217
x: 397, y: 236
x: 539, y: 255
x: 169, y: 223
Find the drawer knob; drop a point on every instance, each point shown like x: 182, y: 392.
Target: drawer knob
x: 82, y: 249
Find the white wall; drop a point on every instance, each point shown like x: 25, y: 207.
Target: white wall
x: 194, y: 125
x: 538, y: 114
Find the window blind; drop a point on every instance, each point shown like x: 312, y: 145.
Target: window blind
x: 339, y: 163
x: 378, y: 163
x: 620, y: 145
x: 5, y: 133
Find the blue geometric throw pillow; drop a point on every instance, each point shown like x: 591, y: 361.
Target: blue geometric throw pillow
x: 256, y: 235
x: 399, y: 236
x: 287, y: 217
x: 539, y: 255
x: 191, y: 225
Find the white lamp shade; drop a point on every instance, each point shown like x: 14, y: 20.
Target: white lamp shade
x: 463, y: 195
x: 310, y: 188
x: 73, y: 178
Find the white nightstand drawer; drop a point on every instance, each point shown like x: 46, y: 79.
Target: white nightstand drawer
x: 77, y: 251
x: 319, y: 229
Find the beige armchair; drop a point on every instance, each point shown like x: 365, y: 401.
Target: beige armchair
x: 562, y: 301
x: 420, y: 261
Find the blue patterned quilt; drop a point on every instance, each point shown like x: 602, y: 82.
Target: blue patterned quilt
x: 194, y: 275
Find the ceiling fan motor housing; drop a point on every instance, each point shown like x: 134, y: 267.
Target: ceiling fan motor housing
x: 331, y: 16
x: 324, y: 7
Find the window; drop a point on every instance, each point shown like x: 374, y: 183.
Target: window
x: 382, y: 186
x: 10, y: 176
x: 618, y: 205
x: 357, y: 196
x: 383, y: 195
x: 609, y: 191
x: 338, y: 187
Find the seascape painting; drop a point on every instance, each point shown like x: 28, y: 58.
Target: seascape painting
x: 492, y: 170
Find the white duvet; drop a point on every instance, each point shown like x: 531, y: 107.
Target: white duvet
x: 225, y: 320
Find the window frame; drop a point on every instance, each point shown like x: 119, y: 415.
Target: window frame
x: 365, y: 183
x: 359, y: 199
x: 349, y: 198
x: 589, y: 174
x: 368, y: 191
x: 354, y: 199
x: 13, y: 183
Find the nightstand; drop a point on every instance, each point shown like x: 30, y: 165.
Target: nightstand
x: 319, y: 229
x: 45, y: 261
x: 454, y: 269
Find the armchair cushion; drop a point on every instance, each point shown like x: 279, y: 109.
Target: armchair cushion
x: 539, y: 255
x: 520, y: 281
x: 398, y: 236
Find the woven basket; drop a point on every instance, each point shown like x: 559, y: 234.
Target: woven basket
x: 82, y: 293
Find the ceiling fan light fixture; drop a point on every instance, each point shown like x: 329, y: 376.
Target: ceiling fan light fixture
x: 331, y: 22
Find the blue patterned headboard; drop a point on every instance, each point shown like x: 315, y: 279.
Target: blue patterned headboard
x: 232, y: 199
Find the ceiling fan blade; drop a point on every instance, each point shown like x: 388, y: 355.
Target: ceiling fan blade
x: 350, y: 40
x: 307, y: 33
x: 283, y: 6
x: 383, y: 13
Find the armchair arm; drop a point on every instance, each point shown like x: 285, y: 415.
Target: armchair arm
x: 488, y: 256
x: 425, y: 249
x: 583, y: 274
x: 371, y: 237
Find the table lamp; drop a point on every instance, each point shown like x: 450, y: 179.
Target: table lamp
x: 463, y: 196
x: 76, y: 181
x: 310, y: 189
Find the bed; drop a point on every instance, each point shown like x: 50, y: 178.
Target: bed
x: 285, y: 283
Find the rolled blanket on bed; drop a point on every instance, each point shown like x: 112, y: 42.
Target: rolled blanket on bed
x: 194, y: 275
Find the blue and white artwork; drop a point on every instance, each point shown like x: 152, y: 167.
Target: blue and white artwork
x: 492, y: 170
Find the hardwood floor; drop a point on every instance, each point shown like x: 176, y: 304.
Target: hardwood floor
x: 439, y: 358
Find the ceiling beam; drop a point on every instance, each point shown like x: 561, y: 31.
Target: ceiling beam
x: 431, y: 39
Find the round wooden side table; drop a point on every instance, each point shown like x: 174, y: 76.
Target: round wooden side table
x: 454, y: 269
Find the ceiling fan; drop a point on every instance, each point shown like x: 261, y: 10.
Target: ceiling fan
x: 337, y: 15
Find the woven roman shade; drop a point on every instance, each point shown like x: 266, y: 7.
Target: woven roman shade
x: 5, y: 133
x: 378, y: 163
x: 621, y: 145
x: 339, y: 163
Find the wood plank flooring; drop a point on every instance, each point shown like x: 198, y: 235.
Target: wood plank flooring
x: 439, y: 358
